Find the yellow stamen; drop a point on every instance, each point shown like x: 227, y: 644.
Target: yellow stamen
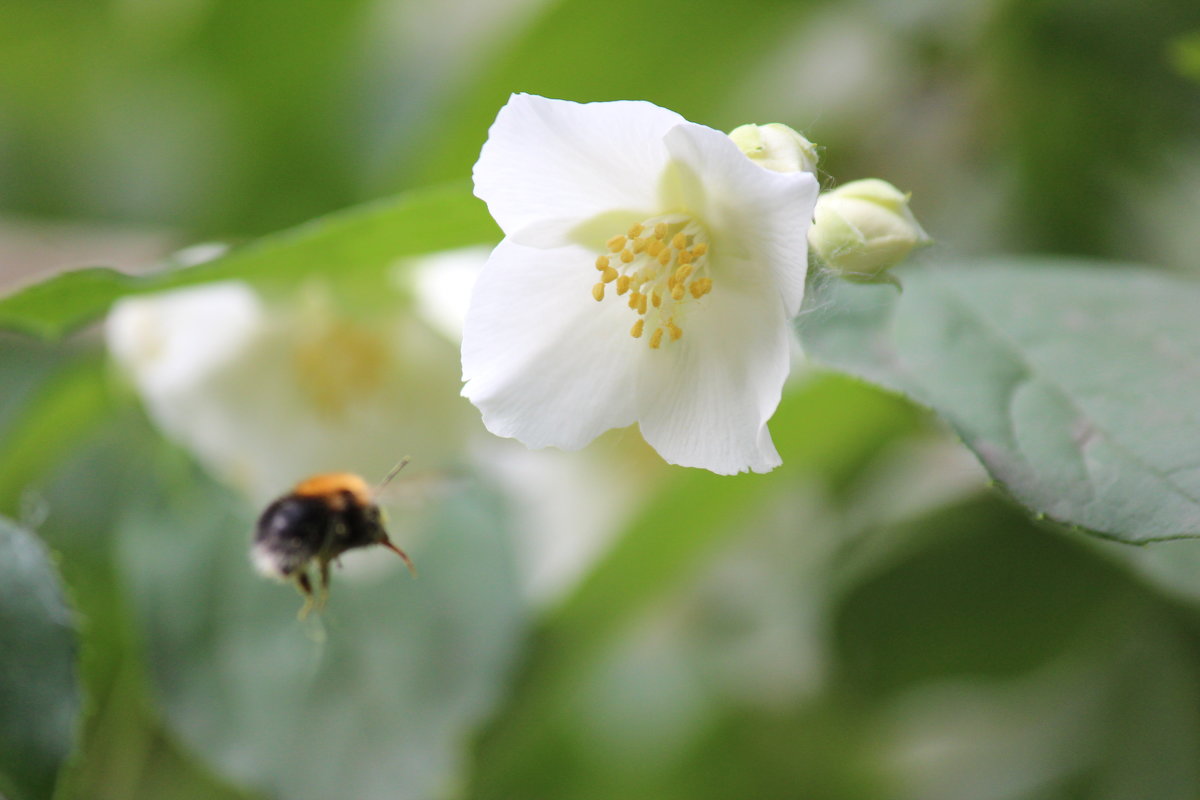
x: 654, y: 266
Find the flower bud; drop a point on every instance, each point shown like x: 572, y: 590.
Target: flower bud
x: 863, y: 228
x: 776, y: 147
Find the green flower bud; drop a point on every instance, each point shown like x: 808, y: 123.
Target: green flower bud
x: 776, y: 147
x: 863, y: 228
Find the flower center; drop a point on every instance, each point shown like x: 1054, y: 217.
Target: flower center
x: 662, y: 264
x: 338, y: 364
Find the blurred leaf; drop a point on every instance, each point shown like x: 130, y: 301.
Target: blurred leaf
x: 978, y: 591
x: 39, y: 690
x: 123, y: 751
x: 680, y: 54
x: 1074, y: 385
x: 362, y: 240
x: 64, y: 410
x: 829, y: 427
x: 128, y: 755
x: 371, y: 698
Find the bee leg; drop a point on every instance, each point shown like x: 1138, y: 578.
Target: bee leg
x: 323, y: 590
x: 304, y: 586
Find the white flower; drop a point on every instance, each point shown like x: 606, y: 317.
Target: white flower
x: 648, y: 274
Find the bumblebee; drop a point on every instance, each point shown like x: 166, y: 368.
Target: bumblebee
x: 321, y: 518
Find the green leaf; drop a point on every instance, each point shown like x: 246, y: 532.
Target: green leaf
x: 39, y: 689
x: 364, y: 239
x: 1074, y: 385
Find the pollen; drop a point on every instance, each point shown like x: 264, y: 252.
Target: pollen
x: 662, y: 265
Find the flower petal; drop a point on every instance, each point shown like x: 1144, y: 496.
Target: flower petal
x: 543, y: 361
x: 552, y: 164
x: 706, y: 402
x: 755, y: 215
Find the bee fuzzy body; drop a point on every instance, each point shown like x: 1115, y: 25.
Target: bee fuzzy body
x: 321, y: 518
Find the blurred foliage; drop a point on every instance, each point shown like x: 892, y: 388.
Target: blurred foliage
x: 863, y: 623
x: 1079, y: 122
x: 675, y: 53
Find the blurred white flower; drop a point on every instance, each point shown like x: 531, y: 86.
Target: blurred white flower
x: 648, y: 274
x: 265, y: 393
